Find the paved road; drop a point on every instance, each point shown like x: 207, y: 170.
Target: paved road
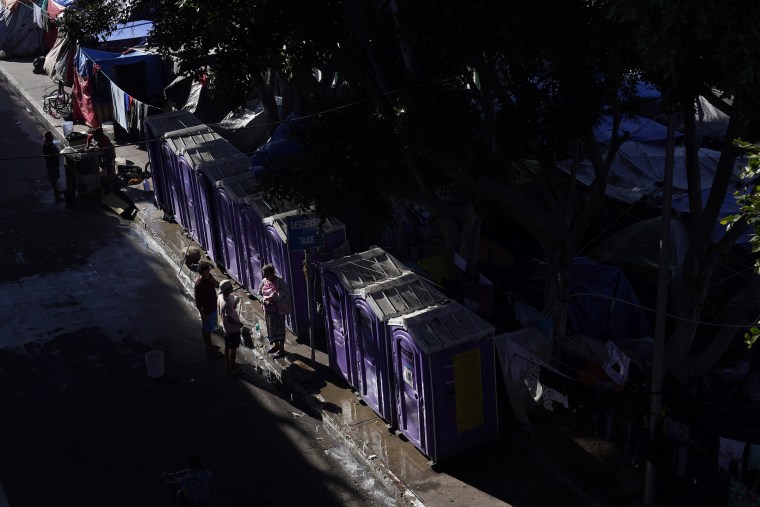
x: 82, y: 297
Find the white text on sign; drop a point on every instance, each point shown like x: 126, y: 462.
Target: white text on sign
x: 306, y: 223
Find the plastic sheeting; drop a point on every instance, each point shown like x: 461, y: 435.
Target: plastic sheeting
x: 281, y: 148
x: 247, y: 128
x: 59, y: 61
x: 20, y: 35
x: 638, y: 128
x: 637, y: 172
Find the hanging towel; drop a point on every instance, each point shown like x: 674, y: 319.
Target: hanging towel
x: 38, y: 20
x: 730, y: 450
x: 119, y: 115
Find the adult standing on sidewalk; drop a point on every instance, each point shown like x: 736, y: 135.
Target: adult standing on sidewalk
x: 275, y: 298
x: 227, y: 305
x: 205, y: 301
x: 52, y: 162
x: 97, y: 139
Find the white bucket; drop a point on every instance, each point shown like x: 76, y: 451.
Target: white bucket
x: 108, y: 129
x: 68, y: 127
x: 154, y: 360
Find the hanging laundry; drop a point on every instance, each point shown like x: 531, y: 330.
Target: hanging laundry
x: 117, y: 98
x: 730, y: 451
x: 39, y: 20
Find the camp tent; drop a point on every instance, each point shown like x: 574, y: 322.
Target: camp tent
x: 22, y: 26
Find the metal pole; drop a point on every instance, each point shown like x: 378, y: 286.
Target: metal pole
x: 306, y: 271
x: 658, y: 360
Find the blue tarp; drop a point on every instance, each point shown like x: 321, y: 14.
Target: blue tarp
x: 613, y: 312
x: 639, y: 129
x: 280, y: 148
x: 154, y: 84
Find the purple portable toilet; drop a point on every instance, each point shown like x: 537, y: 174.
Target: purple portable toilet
x: 289, y: 263
x: 445, y: 380
x: 340, y: 277
x: 188, y: 161
x: 174, y: 145
x: 228, y: 196
x: 160, y: 167
x: 373, y: 306
x: 207, y: 175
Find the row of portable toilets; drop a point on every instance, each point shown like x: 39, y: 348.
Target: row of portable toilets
x: 423, y: 363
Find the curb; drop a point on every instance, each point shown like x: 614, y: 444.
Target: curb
x: 335, y: 425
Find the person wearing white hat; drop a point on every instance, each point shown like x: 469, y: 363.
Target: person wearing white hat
x: 231, y: 323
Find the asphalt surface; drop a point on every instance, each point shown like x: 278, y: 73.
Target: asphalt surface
x: 83, y: 297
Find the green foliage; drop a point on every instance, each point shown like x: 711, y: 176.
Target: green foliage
x: 85, y: 20
x: 751, y: 337
x: 748, y: 198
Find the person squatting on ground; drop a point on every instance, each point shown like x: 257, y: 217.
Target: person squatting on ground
x: 205, y: 301
x: 97, y: 139
x: 52, y: 162
x: 227, y: 305
x: 275, y: 299
x: 194, y: 483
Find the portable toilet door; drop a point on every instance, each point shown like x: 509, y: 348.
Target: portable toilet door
x: 160, y: 167
x: 255, y: 209
x: 340, y: 277
x: 373, y: 307
x: 340, y: 351
x: 230, y: 193
x: 207, y: 174
x: 444, y: 368
x: 188, y: 161
x: 292, y: 261
x: 290, y: 266
x: 181, y: 186
x: 252, y: 233
x: 191, y: 160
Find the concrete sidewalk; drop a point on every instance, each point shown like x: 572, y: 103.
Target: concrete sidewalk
x: 515, y: 470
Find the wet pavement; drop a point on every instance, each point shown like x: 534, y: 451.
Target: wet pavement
x: 516, y: 470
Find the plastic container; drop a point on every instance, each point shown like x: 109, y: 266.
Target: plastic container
x: 257, y: 330
x: 154, y: 360
x: 68, y: 127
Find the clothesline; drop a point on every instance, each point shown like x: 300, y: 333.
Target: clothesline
x: 127, y: 111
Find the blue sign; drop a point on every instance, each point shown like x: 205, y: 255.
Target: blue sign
x: 304, y: 232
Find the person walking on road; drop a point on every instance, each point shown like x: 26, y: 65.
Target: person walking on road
x: 193, y: 482
x: 52, y: 163
x: 205, y: 301
x: 275, y: 299
x: 227, y: 305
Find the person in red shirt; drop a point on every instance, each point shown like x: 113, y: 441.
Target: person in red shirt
x: 205, y: 301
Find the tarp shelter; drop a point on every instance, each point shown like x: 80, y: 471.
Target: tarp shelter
x: 638, y: 128
x: 603, y: 304
x: 22, y: 26
x: 138, y: 75
x: 637, y: 172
